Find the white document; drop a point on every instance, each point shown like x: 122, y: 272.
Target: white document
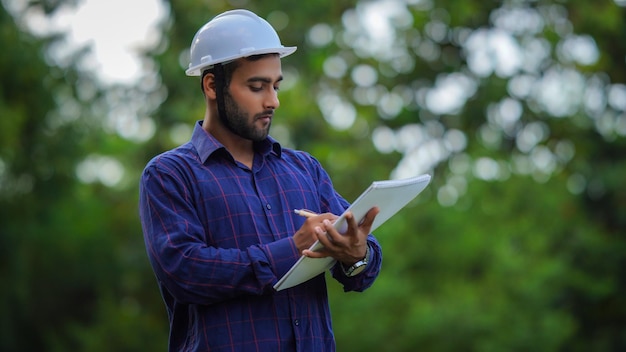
x: 389, y: 196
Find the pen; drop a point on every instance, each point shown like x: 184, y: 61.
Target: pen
x: 305, y: 213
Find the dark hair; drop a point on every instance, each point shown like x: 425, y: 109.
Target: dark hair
x: 229, y: 68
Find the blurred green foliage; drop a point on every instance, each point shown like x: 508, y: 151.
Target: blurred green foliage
x: 524, y: 260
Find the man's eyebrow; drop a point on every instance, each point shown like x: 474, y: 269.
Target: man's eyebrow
x: 263, y: 79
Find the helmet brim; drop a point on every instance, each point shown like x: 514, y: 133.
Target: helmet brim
x: 208, y: 63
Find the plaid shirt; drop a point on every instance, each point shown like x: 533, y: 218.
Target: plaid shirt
x: 218, y: 236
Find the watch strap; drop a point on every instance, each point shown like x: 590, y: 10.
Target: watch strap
x: 359, y: 266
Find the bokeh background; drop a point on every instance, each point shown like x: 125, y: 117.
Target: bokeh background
x: 517, y: 108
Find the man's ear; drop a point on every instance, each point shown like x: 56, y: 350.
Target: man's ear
x: 208, y: 86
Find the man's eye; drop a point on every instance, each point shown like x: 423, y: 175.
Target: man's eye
x: 256, y: 89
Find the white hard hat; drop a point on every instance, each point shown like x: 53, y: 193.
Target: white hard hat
x: 232, y: 35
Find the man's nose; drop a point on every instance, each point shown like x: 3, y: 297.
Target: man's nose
x: 271, y: 100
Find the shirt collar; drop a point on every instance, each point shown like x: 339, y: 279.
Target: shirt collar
x: 206, y: 144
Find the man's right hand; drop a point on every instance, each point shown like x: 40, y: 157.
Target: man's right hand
x: 310, y: 230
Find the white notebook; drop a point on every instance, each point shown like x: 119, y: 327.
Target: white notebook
x: 389, y: 196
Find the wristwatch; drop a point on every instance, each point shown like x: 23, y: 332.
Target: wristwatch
x: 359, y: 266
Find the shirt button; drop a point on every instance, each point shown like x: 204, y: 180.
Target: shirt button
x: 296, y: 322
x: 268, y: 206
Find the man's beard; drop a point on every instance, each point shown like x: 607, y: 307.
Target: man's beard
x: 236, y: 121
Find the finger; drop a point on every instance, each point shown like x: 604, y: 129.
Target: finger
x: 352, y: 225
x: 319, y: 235
x: 337, y: 238
x: 352, y: 228
x: 322, y: 217
x: 315, y: 254
x: 323, y: 235
x: 369, y: 218
x: 315, y: 220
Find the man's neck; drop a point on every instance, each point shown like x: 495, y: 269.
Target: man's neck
x: 241, y: 149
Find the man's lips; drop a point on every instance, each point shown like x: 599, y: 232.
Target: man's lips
x: 265, y: 116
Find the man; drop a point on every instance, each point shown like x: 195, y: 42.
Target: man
x: 218, y: 212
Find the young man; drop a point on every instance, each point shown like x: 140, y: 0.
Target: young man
x: 218, y: 212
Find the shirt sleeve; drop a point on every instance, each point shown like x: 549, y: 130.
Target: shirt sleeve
x: 365, y: 279
x: 336, y: 204
x: 184, y: 264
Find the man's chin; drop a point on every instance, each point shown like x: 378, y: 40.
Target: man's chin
x: 260, y: 137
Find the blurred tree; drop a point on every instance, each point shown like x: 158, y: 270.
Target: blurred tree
x: 35, y: 169
x: 71, y: 255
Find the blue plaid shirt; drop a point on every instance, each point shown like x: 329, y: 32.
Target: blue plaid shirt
x: 219, y: 236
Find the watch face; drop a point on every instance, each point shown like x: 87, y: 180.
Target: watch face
x: 357, y: 268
